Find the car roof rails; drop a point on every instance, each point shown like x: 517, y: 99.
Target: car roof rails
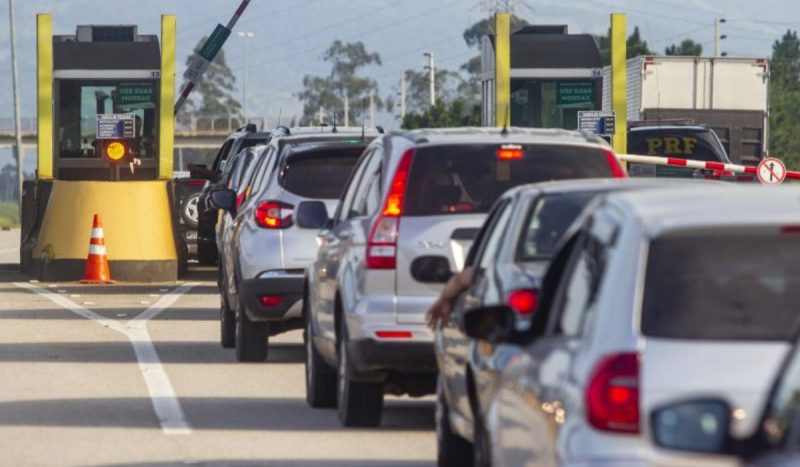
x: 283, y: 129
x: 380, y: 129
x: 249, y: 128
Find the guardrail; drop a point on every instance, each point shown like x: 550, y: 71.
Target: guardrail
x: 27, y: 125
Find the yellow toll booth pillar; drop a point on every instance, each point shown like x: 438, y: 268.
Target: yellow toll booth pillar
x: 619, y: 81
x: 166, y: 120
x: 44, y: 92
x: 502, y: 67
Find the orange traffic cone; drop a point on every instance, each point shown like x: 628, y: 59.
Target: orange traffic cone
x: 97, y: 271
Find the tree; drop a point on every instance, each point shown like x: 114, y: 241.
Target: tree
x: 635, y: 46
x: 418, y: 94
x: 214, y: 95
x: 328, y: 92
x: 784, y: 99
x: 687, y: 48
x: 474, y: 34
x: 458, y: 112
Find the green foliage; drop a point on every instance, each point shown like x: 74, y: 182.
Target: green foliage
x: 214, y: 95
x: 687, y: 48
x: 328, y: 92
x: 456, y: 113
x: 9, y: 214
x: 784, y: 94
x: 418, y: 95
x: 635, y: 46
x: 474, y: 34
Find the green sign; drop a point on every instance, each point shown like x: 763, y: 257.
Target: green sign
x: 214, y: 43
x: 135, y: 93
x: 575, y: 93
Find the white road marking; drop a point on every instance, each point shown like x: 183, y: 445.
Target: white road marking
x: 162, y: 395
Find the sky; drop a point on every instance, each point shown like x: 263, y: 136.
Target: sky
x: 289, y: 36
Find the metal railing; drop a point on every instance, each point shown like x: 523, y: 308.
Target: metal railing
x: 213, y: 126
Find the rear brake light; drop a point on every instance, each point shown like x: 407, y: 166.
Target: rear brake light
x: 613, y: 163
x: 271, y: 300
x: 393, y: 334
x: 612, y: 395
x: 382, y: 243
x: 274, y: 215
x: 195, y: 182
x: 509, y: 152
x: 523, y: 301
x: 239, y: 200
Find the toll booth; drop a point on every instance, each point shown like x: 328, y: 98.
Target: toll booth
x: 553, y: 75
x: 105, y: 99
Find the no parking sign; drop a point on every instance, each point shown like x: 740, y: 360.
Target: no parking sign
x: 771, y: 171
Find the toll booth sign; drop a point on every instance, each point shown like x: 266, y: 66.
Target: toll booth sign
x: 600, y: 122
x: 116, y: 126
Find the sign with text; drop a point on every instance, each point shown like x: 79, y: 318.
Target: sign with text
x: 135, y: 93
x: 575, y: 93
x: 600, y: 122
x: 116, y: 126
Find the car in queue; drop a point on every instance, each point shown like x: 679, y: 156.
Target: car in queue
x: 653, y: 297
x: 406, y: 220
x: 271, y: 236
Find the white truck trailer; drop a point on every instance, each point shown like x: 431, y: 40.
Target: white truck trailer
x: 730, y: 95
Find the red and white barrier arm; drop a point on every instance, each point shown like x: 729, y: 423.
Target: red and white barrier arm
x: 677, y: 162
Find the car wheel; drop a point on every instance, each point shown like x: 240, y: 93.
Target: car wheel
x: 251, y: 339
x: 189, y: 211
x: 359, y: 403
x: 452, y: 449
x: 320, y: 377
x: 482, y: 446
x: 227, y: 323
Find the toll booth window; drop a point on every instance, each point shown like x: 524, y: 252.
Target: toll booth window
x: 551, y: 103
x: 81, y: 101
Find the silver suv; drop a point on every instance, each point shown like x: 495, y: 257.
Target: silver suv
x: 406, y: 220
x: 271, y: 239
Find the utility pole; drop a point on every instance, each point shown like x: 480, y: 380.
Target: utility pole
x: 432, y: 77
x: 321, y: 116
x: 372, y: 111
x: 346, y: 110
x: 244, y: 36
x: 20, y: 151
x: 403, y: 92
x: 718, y: 36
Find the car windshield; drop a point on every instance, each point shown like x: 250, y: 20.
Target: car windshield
x: 685, y: 143
x: 547, y: 220
x: 319, y: 173
x: 468, y: 178
x: 723, y: 284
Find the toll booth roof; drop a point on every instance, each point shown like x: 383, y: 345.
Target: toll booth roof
x: 106, y: 55
x: 550, y: 47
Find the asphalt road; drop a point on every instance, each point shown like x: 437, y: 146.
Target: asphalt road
x: 83, y: 381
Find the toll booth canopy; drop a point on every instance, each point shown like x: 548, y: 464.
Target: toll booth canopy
x: 104, y: 70
x: 553, y: 76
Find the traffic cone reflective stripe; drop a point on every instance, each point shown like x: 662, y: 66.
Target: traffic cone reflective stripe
x: 97, y: 270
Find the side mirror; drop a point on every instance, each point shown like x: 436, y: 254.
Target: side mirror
x: 311, y: 215
x: 431, y: 269
x: 224, y: 199
x: 700, y: 425
x: 491, y: 323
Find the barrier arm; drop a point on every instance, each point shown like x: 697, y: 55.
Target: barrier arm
x: 692, y: 164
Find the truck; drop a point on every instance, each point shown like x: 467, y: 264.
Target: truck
x: 730, y: 95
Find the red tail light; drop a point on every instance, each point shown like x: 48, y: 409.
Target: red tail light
x: 382, y: 243
x: 523, y: 301
x: 274, y: 215
x: 394, y: 334
x: 613, y: 163
x: 271, y: 300
x: 612, y: 396
x: 509, y: 152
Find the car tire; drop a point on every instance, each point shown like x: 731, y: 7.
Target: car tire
x: 190, y: 211
x: 360, y: 404
x: 227, y: 323
x: 452, y: 449
x: 320, y: 377
x: 482, y: 446
x: 251, y: 339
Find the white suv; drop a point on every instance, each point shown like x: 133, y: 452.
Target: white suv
x: 655, y: 296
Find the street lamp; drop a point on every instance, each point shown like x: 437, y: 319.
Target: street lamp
x: 244, y: 36
x: 432, y: 78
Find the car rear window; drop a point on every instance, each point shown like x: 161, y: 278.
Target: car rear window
x: 469, y: 178
x: 546, y: 223
x: 319, y: 174
x: 681, y: 143
x: 731, y: 285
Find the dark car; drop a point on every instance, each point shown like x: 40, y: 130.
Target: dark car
x: 219, y: 176
x: 684, y: 142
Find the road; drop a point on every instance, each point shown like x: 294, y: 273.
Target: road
x: 80, y: 385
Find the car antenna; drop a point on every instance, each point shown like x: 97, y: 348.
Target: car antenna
x: 507, y: 121
x: 363, y: 129
x: 280, y: 113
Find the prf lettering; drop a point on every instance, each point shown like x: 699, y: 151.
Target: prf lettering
x: 671, y: 146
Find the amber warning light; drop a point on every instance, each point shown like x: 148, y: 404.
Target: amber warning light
x: 509, y: 152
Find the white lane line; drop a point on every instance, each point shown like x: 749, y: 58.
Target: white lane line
x: 162, y: 395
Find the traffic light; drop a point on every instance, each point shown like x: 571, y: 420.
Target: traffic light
x: 115, y: 151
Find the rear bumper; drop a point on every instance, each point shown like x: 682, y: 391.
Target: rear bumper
x: 370, y: 355
x: 290, y: 288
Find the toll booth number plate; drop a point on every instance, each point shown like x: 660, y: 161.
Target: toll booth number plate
x: 116, y: 126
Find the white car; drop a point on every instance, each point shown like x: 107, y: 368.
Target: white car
x: 655, y: 296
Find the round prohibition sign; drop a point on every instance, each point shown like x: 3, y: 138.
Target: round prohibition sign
x: 771, y: 171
